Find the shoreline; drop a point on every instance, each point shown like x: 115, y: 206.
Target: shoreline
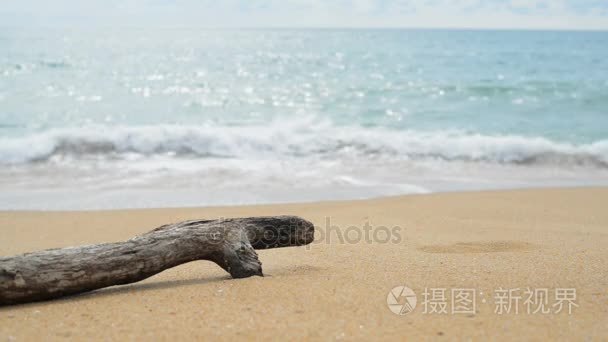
x: 485, y: 241
x: 303, y: 202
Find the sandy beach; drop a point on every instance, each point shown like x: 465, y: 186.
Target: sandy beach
x: 481, y: 241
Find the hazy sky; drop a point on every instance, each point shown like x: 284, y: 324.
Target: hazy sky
x: 565, y: 14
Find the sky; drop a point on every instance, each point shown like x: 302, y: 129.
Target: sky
x: 518, y: 14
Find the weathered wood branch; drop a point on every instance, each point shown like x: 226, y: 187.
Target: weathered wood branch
x: 230, y: 243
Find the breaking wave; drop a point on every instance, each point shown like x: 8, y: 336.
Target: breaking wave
x: 296, y: 139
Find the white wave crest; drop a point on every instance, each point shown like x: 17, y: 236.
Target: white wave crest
x: 301, y: 138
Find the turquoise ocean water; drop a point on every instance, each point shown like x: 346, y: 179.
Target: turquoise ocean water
x: 107, y: 118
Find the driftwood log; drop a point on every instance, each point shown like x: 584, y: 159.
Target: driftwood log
x: 230, y: 243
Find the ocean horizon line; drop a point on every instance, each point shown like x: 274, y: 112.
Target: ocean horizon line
x: 312, y: 28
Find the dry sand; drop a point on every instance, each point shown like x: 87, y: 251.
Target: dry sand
x: 485, y: 241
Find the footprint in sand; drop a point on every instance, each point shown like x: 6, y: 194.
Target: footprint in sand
x: 480, y: 247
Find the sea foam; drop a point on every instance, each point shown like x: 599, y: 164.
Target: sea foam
x: 296, y: 139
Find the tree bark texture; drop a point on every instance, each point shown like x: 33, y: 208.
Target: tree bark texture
x: 230, y: 243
